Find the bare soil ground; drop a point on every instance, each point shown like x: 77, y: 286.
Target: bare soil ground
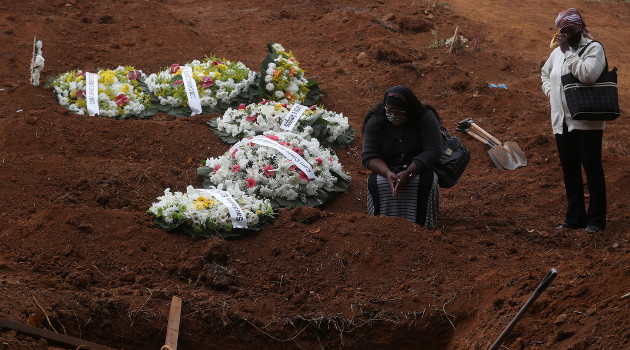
x: 76, y: 239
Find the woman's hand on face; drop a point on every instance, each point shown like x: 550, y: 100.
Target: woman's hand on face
x: 562, y: 41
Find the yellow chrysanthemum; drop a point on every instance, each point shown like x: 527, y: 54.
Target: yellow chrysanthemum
x: 203, y: 202
x: 108, y: 76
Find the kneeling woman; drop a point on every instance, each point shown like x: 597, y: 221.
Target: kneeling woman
x: 401, y: 142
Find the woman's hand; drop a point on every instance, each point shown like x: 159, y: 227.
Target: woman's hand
x: 392, y: 179
x: 563, y: 42
x: 402, y: 178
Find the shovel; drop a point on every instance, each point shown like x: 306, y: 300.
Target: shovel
x: 512, y: 148
x: 551, y: 275
x: 500, y: 157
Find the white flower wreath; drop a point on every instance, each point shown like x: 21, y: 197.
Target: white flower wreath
x: 267, y: 172
x: 330, y: 128
x: 121, y: 93
x: 283, y: 80
x: 203, y: 215
x: 220, y: 84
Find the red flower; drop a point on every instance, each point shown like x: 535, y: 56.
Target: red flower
x: 319, y: 161
x: 268, y: 170
x: 251, y: 183
x: 81, y: 94
x: 236, y: 168
x: 241, y: 106
x: 285, y: 143
x: 251, y: 118
x: 234, y: 152
x: 216, y: 168
x: 121, y: 100
x: 273, y: 137
x: 174, y: 68
x: 304, y: 177
x: 206, y: 82
x: 293, y: 167
x: 298, y: 150
x: 216, y: 63
x: 178, y: 82
x: 134, y: 74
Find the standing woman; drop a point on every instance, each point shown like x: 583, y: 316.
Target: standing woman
x: 401, y: 142
x: 579, y: 142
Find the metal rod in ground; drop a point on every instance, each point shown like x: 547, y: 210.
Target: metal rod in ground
x: 551, y: 275
x: 51, y: 337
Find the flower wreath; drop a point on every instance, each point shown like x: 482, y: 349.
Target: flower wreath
x: 329, y: 128
x: 283, y: 80
x: 268, y: 173
x: 121, y: 93
x: 202, y: 215
x: 221, y: 84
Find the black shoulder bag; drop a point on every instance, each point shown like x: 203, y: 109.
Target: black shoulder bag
x: 598, y: 101
x: 453, y: 160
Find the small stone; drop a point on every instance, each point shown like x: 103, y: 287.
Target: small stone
x: 129, y: 276
x: 388, y: 17
x: 560, y: 319
x: 361, y: 55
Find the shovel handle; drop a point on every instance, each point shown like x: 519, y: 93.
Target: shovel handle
x: 478, y: 138
x: 551, y: 275
x: 485, y: 133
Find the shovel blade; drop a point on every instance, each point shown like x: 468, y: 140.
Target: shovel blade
x: 516, y: 151
x: 502, y: 158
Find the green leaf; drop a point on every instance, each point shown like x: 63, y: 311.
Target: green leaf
x: 50, y: 81
x: 313, y: 94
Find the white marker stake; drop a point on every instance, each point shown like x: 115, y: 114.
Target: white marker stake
x: 191, y: 90
x: 91, y: 93
x: 292, y: 117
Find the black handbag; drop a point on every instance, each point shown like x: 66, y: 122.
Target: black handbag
x: 453, y: 160
x: 598, y: 101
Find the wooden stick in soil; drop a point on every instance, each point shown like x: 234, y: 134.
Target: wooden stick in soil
x: 172, y: 332
x: 453, y: 41
x: 51, y: 337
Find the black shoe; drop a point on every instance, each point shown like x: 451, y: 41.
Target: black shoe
x: 590, y: 229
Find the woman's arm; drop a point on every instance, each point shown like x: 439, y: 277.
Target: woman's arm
x: 431, y: 139
x: 371, y: 155
x: 545, y: 73
x: 588, y: 67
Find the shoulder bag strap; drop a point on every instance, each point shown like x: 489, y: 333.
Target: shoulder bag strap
x: 600, y: 44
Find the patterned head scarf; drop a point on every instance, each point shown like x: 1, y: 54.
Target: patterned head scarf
x: 572, y: 18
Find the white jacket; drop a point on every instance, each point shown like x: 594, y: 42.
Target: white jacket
x: 587, y: 68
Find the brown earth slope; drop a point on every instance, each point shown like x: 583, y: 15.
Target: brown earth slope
x: 76, y: 239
